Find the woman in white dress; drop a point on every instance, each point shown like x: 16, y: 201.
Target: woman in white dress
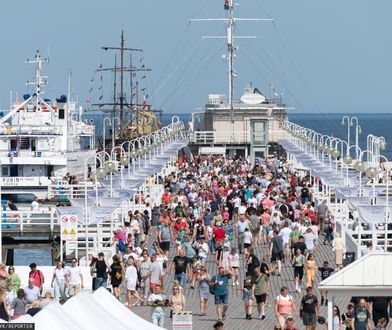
x: 60, y: 280
x: 131, y: 282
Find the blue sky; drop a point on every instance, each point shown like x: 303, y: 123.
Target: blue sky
x: 330, y: 56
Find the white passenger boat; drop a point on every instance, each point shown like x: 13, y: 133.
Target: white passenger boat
x: 41, y: 140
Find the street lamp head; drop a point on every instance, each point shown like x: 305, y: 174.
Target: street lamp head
x: 124, y: 160
x: 360, y: 166
x: 335, y: 154
x: 382, y: 145
x: 371, y: 172
x: 110, y: 166
x: 101, y: 173
x: 347, y: 159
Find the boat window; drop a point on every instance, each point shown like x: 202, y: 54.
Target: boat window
x: 61, y: 114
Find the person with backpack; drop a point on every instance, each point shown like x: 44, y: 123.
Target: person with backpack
x: 276, y: 250
x: 255, y: 226
x: 219, y: 283
x: 252, y: 262
x: 37, y: 275
x: 102, y: 268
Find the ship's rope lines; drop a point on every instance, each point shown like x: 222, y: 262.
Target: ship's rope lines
x: 199, y: 73
x: 272, y: 65
x: 188, y: 72
x: 165, y: 77
x: 199, y: 68
x: 280, y: 39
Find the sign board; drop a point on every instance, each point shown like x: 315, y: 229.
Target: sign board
x: 69, y: 227
x: 213, y: 150
x: 182, y: 321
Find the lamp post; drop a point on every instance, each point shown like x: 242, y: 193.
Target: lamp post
x: 100, y: 173
x: 123, y: 161
x: 111, y: 122
x: 349, y: 123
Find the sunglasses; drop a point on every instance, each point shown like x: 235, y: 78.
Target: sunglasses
x: 11, y: 269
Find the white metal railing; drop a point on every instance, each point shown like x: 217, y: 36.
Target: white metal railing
x: 29, y: 153
x: 220, y: 137
x: 20, y: 219
x: 68, y: 191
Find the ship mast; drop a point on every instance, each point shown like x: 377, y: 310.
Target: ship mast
x: 122, y: 49
x: 39, y: 79
x: 230, y: 20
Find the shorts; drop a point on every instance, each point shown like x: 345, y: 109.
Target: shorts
x: 267, y: 229
x: 276, y: 256
x: 246, y: 296
x: 247, y: 245
x: 261, y: 298
x: 73, y: 289
x: 222, y: 299
x: 309, y: 319
x: 299, y: 272
x: 165, y: 246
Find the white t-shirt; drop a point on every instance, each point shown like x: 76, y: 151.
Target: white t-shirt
x: 235, y: 259
x: 59, y: 274
x: 35, y: 206
x: 248, y: 237
x: 203, y: 251
x: 285, y: 233
x: 74, y: 275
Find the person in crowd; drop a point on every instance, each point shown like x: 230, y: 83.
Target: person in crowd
x: 36, y: 307
x: 157, y: 300
x: 361, y: 317
x: 247, y: 296
x: 131, y: 279
x: 177, y: 301
x: 284, y: 307
x: 311, y: 270
x: 60, y: 281
x: 116, y: 275
x: 48, y: 299
x: 298, y: 264
x: 32, y: 292
x: 379, y: 307
x: 13, y: 278
x: 221, y: 293
x: 310, y: 309
x: 276, y: 250
x: 75, y: 278
x: 4, y: 314
x: 180, y: 265
x: 325, y: 272
x: 219, y: 326
x: 347, y: 317
x: 260, y: 291
x: 339, y: 248
x: 102, y: 267
x: 37, y: 275
x: 10, y: 296
x: 204, y: 291
x: 19, y: 304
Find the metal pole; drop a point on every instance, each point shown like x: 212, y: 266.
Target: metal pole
x: 85, y: 209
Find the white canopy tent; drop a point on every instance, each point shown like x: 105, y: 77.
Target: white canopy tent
x: 368, y: 276
x: 98, y: 310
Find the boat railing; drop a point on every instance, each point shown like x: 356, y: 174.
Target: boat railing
x: 30, y: 221
x: 68, y: 191
x: 208, y: 137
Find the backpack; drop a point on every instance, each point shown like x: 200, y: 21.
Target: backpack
x: 254, y: 224
x: 255, y: 262
x: 295, y: 237
x: 121, y: 246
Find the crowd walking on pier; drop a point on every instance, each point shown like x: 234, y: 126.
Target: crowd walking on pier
x: 215, y: 217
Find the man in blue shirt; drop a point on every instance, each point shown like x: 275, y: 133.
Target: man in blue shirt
x: 220, y: 283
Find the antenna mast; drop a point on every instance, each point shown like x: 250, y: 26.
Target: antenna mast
x: 230, y: 20
x: 39, y: 80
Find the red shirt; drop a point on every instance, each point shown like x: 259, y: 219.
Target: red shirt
x: 178, y: 225
x: 220, y: 234
x: 37, y: 275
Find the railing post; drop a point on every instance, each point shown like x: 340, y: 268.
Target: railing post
x: 51, y: 221
x: 21, y: 217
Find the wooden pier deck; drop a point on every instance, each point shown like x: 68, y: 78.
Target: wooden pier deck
x: 235, y: 318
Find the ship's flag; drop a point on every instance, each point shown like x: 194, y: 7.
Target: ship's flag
x: 88, y: 100
x: 144, y: 102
